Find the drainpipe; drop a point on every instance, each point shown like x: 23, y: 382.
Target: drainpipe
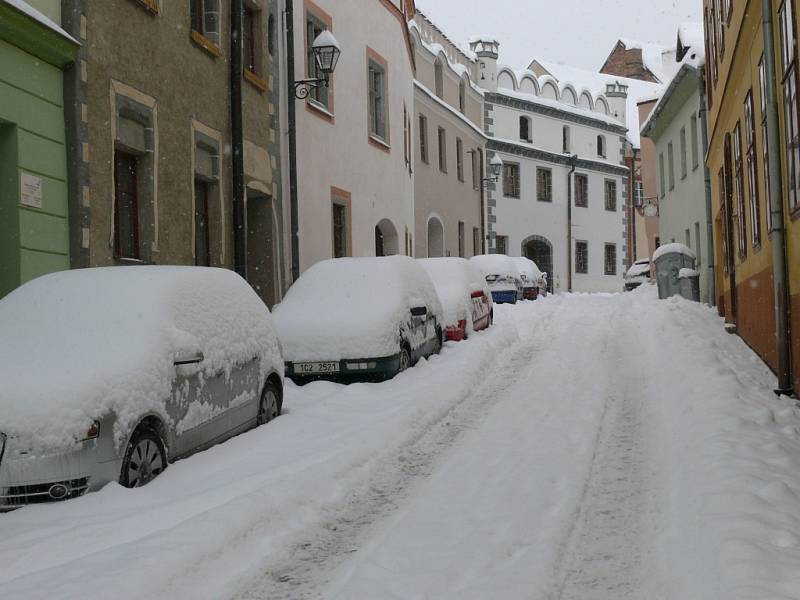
x: 631, y: 207
x: 292, y: 131
x: 237, y: 140
x: 573, y: 161
x: 776, y: 209
x: 701, y: 85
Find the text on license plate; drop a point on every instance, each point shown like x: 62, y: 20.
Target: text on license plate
x: 316, y: 367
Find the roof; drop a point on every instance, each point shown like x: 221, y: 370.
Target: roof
x: 40, y: 18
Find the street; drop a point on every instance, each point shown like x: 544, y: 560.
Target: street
x: 587, y: 446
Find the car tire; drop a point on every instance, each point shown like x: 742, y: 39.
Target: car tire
x: 437, y: 347
x: 269, y: 406
x: 145, y: 458
x: 405, y: 359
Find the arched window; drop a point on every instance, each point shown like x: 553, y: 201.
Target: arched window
x: 525, y: 129
x: 462, y: 96
x: 601, y: 146
x: 438, y: 74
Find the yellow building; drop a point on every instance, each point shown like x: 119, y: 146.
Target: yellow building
x: 738, y: 80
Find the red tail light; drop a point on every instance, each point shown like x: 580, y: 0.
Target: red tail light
x: 478, y: 294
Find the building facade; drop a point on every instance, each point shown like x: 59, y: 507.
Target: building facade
x: 645, y: 229
x: 152, y: 169
x: 449, y: 146
x: 355, y: 169
x: 34, y: 227
x: 750, y: 282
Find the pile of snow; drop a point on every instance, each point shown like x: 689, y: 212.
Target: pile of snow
x: 675, y: 247
x: 499, y: 271
x: 455, y: 280
x: 79, y: 345
x: 352, y: 308
x: 686, y: 273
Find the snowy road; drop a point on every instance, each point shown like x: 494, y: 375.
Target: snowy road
x: 586, y: 447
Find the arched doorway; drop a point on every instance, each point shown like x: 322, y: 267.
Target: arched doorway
x: 435, y: 237
x: 540, y: 251
x: 385, y: 238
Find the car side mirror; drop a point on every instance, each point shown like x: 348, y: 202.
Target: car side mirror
x: 419, y: 311
x: 188, y: 357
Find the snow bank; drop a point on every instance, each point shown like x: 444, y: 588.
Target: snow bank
x: 455, y: 279
x: 352, y: 308
x: 673, y: 247
x: 81, y: 344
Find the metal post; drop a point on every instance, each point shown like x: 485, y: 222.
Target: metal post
x: 292, y: 131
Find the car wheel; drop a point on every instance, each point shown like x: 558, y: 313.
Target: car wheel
x: 145, y: 458
x: 405, y: 359
x: 269, y: 407
x: 437, y: 347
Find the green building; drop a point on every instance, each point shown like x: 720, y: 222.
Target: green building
x: 34, y: 228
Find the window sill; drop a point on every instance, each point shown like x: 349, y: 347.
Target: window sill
x: 206, y: 44
x: 150, y: 6
x: 130, y: 261
x: 379, y: 143
x: 319, y: 110
x: 254, y: 80
x: 544, y: 199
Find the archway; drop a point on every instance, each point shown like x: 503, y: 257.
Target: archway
x: 385, y: 238
x: 540, y: 251
x: 435, y: 237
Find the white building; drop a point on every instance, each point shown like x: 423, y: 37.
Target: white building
x: 354, y: 138
x: 556, y: 140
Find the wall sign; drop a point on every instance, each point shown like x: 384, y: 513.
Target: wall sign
x: 31, y: 190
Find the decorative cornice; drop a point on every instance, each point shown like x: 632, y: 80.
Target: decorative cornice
x: 552, y: 157
x: 550, y: 111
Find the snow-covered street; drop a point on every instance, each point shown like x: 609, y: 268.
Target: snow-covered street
x: 584, y: 447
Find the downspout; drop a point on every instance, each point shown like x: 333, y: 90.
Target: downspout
x: 573, y: 161
x: 632, y: 207
x: 237, y: 142
x: 776, y: 210
x: 701, y: 85
x: 292, y: 131
x: 481, y: 176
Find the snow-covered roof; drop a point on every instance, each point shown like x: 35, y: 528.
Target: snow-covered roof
x: 675, y: 247
x: 40, y: 17
x: 691, y: 35
x: 655, y: 57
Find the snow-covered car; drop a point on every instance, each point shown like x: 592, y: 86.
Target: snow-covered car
x: 502, y: 276
x: 638, y: 274
x: 530, y: 275
x: 350, y: 319
x: 110, y: 373
x: 466, y: 299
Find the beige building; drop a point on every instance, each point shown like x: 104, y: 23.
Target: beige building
x: 449, y: 146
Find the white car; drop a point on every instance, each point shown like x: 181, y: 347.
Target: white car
x: 502, y: 276
x: 351, y: 319
x: 638, y: 274
x: 466, y: 299
x: 111, y: 373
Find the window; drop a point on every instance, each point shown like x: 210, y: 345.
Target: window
x: 719, y: 5
x: 790, y: 116
x: 687, y: 234
x: 474, y: 160
x: 461, y: 242
x: 271, y: 35
x: 442, y: 150
x: 501, y: 244
x: 581, y: 190
x: 611, y: 194
x: 762, y: 77
x: 739, y: 186
x: 610, y: 259
x: 460, y: 159
x: 202, y: 243
x: 423, y: 138
x: 581, y: 256
x: 544, y: 185
x: 565, y: 139
x: 511, y: 180
x: 752, y: 169
x: 662, y: 180
x: 126, y: 205
x: 339, y: 230
x: 683, y: 152
x: 601, y: 146
x: 376, y: 74
x: 671, y: 165
x: 699, y: 250
x: 525, y: 129
x: 321, y: 94
x: 638, y: 193
x: 462, y: 97
x: 694, y: 142
x: 206, y: 21
x: 250, y: 21
x: 206, y: 193
x: 438, y: 74
x: 476, y: 241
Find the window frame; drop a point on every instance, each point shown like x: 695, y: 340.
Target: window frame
x: 544, y: 184
x: 752, y: 171
x: 460, y: 159
x: 424, y: 147
x: 441, y: 136
x: 612, y: 269
x: 525, y: 125
x: 210, y: 41
x: 762, y: 84
x: 602, y: 151
x: 377, y: 97
x: 683, y: 150
x: 134, y: 209
x: 738, y: 169
x: 512, y: 184
x: 581, y: 200
x: 610, y: 206
x: 791, y: 102
x: 581, y: 266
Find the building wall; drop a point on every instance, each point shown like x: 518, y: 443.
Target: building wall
x: 625, y: 62
x: 647, y: 227
x: 335, y: 154
x: 33, y: 238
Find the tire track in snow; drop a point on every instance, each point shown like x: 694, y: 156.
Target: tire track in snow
x: 307, y: 567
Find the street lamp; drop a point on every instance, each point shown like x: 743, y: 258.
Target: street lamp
x: 326, y: 52
x: 495, y: 168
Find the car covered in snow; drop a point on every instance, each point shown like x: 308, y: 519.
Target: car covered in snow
x: 530, y: 275
x: 351, y: 319
x: 502, y: 276
x: 111, y: 373
x: 466, y: 299
x: 638, y: 274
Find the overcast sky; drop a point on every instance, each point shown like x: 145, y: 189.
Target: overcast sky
x: 577, y: 32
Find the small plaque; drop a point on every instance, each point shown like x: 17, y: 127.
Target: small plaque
x: 31, y: 190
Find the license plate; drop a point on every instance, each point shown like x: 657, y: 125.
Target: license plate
x: 315, y: 368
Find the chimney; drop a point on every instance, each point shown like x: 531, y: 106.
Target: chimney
x: 617, y: 95
x: 486, y: 49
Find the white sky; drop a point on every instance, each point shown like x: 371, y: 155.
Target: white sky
x: 577, y: 32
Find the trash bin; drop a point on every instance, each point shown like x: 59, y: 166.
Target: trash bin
x: 689, y: 284
x: 669, y: 260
